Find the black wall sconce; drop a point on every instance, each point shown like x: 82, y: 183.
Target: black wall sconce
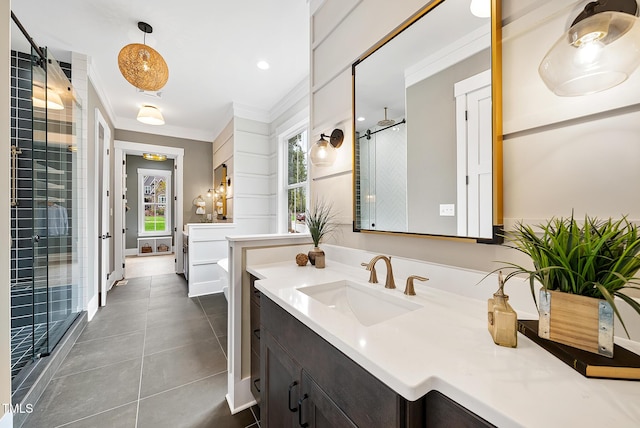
x: 323, y: 152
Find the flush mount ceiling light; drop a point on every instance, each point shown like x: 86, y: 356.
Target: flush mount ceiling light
x: 263, y: 65
x: 154, y: 157
x: 323, y: 153
x: 142, y: 65
x: 150, y: 115
x: 481, y: 8
x: 50, y: 100
x: 598, y: 52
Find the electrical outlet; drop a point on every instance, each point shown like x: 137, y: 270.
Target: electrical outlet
x: 447, y: 210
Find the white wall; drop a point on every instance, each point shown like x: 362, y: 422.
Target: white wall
x: 287, y: 117
x: 248, y: 145
x: 586, y: 164
x: 253, y: 169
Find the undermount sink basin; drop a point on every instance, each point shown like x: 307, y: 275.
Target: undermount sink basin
x: 363, y: 303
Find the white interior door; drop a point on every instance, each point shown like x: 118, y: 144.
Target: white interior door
x: 475, y: 154
x: 103, y: 141
x: 479, y: 161
x: 120, y: 204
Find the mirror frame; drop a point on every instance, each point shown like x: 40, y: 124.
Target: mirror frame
x: 220, y: 171
x: 496, y: 102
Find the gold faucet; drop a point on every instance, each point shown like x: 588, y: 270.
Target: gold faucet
x: 408, y: 289
x: 373, y: 277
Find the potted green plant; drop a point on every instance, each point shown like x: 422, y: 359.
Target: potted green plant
x: 581, y: 268
x: 320, y: 222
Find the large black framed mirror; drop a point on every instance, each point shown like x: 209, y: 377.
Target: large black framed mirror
x: 427, y: 123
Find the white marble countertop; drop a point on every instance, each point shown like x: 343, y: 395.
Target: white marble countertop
x: 446, y: 346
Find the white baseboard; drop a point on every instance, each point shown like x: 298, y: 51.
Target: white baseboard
x: 131, y: 252
x: 92, y: 308
x: 205, y: 287
x: 241, y: 398
x: 7, y: 420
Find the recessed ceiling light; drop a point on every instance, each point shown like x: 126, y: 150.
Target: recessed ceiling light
x: 263, y: 65
x: 361, y: 119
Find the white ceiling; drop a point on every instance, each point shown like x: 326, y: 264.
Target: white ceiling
x: 210, y: 46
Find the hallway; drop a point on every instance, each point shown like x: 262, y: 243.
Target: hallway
x: 151, y: 358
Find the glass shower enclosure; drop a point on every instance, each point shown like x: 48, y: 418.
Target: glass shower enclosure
x: 46, y: 294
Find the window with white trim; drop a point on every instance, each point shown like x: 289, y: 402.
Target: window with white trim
x: 154, y: 190
x: 296, y: 183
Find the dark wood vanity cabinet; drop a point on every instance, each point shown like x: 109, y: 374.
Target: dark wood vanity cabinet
x: 304, y: 381
x: 441, y: 411
x: 281, y: 385
x: 307, y: 382
x: 255, y: 340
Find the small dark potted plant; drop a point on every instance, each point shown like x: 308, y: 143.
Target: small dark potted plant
x: 320, y: 222
x: 581, y: 268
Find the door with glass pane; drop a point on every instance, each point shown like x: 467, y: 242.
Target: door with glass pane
x: 155, y: 202
x: 62, y: 148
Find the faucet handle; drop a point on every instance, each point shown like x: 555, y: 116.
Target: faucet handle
x: 373, y: 277
x: 408, y: 289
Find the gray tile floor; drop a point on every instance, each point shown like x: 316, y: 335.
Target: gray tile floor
x: 151, y: 358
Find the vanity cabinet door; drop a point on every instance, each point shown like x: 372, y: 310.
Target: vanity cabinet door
x: 280, y: 385
x: 255, y: 340
x: 317, y: 410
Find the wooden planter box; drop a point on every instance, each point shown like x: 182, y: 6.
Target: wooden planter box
x: 582, y: 322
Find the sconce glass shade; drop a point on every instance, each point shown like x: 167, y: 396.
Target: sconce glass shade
x: 51, y: 100
x: 143, y: 67
x: 481, y: 8
x: 150, y: 115
x: 595, y: 54
x: 323, y: 153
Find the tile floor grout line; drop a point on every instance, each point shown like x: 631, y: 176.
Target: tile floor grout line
x: 213, y: 329
x: 254, y: 416
x: 183, y: 385
x: 109, y: 336
x: 95, y: 414
x: 94, y: 368
x: 181, y: 346
x: 144, y: 343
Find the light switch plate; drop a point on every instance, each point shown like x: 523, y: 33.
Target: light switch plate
x: 447, y: 210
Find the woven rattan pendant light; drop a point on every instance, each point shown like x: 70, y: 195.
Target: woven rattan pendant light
x: 142, y: 65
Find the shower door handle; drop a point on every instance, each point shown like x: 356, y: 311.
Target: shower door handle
x: 35, y: 238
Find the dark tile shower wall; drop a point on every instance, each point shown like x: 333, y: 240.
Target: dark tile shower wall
x: 29, y: 269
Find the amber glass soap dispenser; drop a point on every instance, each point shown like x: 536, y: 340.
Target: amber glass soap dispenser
x: 503, y: 320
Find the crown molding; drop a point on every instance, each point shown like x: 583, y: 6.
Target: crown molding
x: 295, y: 95
x: 165, y: 130
x: 96, y: 81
